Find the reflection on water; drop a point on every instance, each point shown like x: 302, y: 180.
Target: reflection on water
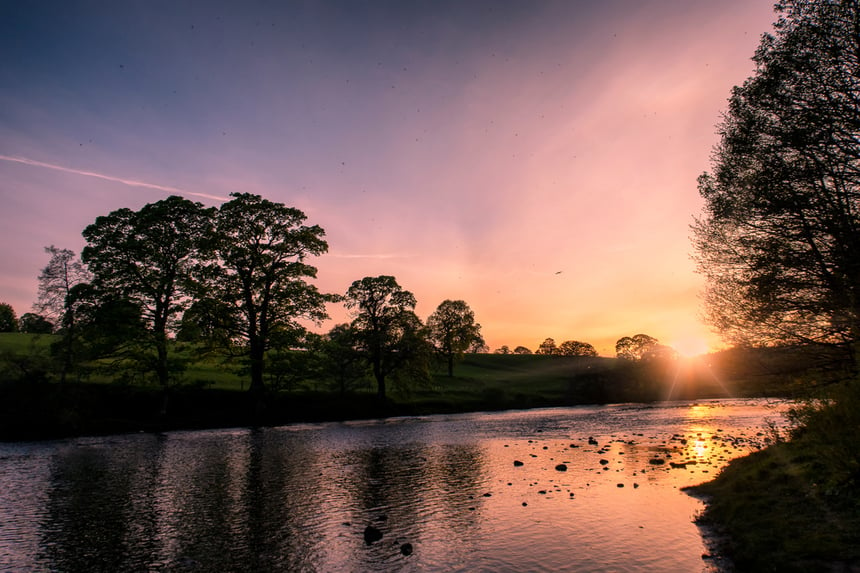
x: 597, y: 490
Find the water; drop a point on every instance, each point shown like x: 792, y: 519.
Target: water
x: 299, y: 498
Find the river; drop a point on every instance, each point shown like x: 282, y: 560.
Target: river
x: 566, y: 489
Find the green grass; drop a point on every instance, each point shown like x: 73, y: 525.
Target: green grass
x: 19, y: 343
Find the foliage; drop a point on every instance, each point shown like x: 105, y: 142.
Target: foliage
x: 32, y: 323
x: 8, y: 318
x: 636, y: 347
x: 147, y: 258
x: 389, y: 334
x: 547, y: 347
x: 257, y: 286
x: 522, y: 350
x: 779, y: 242
x: 63, y: 272
x: 576, y: 348
x: 452, y: 330
x: 57, y: 281
x: 503, y: 349
x: 340, y: 359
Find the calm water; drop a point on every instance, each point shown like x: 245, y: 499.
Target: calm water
x: 299, y: 498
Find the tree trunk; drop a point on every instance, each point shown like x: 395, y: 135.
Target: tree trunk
x: 380, y: 379
x: 256, y: 356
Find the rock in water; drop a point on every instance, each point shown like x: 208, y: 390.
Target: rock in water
x: 406, y: 549
x: 517, y: 463
x: 371, y: 534
x: 561, y: 467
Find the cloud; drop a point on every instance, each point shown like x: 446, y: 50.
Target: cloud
x: 130, y: 182
x: 369, y: 256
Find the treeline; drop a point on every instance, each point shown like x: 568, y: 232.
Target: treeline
x: 234, y: 281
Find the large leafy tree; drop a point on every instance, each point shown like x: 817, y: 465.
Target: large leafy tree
x: 33, y: 323
x: 636, y: 347
x: 389, y: 334
x: 453, y: 331
x: 57, y: 281
x: 147, y: 258
x: 576, y: 348
x: 547, y: 347
x: 8, y: 318
x: 260, y: 278
x: 779, y: 240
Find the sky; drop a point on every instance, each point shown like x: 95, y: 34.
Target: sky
x: 537, y: 159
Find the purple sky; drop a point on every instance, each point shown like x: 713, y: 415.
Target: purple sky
x: 536, y: 159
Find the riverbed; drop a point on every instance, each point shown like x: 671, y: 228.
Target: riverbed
x: 593, y: 488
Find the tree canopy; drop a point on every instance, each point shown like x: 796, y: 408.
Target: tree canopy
x: 635, y: 347
x: 576, y: 348
x: 779, y: 240
x: 547, y: 347
x: 453, y: 330
x: 147, y: 258
x: 259, y: 275
x: 389, y: 333
x: 8, y: 318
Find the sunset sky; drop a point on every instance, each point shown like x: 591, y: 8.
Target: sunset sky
x: 537, y: 159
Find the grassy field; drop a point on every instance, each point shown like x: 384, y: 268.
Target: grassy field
x: 107, y: 396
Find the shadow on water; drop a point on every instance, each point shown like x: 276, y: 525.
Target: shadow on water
x: 443, y: 492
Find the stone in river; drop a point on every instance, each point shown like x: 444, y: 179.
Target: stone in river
x: 604, y: 462
x: 371, y: 534
x: 656, y: 461
x: 561, y: 467
x: 517, y: 463
x: 406, y: 549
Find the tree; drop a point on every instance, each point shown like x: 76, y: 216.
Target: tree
x: 779, y: 240
x: 341, y: 360
x: 8, y: 318
x: 547, y: 347
x: 147, y: 258
x: 63, y: 273
x: 503, y: 349
x: 576, y: 348
x: 389, y: 334
x: 32, y: 323
x: 636, y: 347
x: 453, y: 330
x: 522, y: 350
x: 259, y: 282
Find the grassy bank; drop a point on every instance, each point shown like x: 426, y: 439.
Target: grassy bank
x: 795, y: 506
x: 104, y: 397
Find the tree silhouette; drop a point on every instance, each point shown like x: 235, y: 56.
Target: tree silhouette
x: 636, y: 347
x: 147, y: 257
x: 576, y: 348
x: 389, y: 334
x: 779, y: 241
x: 8, y: 318
x: 547, y: 347
x: 57, y: 280
x: 453, y: 330
x: 259, y: 279
x: 32, y: 323
x: 522, y: 350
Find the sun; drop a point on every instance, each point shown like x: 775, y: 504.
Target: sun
x: 690, y: 346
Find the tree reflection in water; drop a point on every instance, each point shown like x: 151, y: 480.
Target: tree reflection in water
x: 300, y: 497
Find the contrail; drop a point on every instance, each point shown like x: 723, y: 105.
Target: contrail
x: 130, y: 182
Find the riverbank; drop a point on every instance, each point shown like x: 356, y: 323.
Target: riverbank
x: 795, y: 505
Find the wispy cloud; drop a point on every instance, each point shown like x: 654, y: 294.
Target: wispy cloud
x: 369, y: 256
x: 129, y: 182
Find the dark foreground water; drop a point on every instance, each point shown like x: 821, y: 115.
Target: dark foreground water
x: 300, y: 498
